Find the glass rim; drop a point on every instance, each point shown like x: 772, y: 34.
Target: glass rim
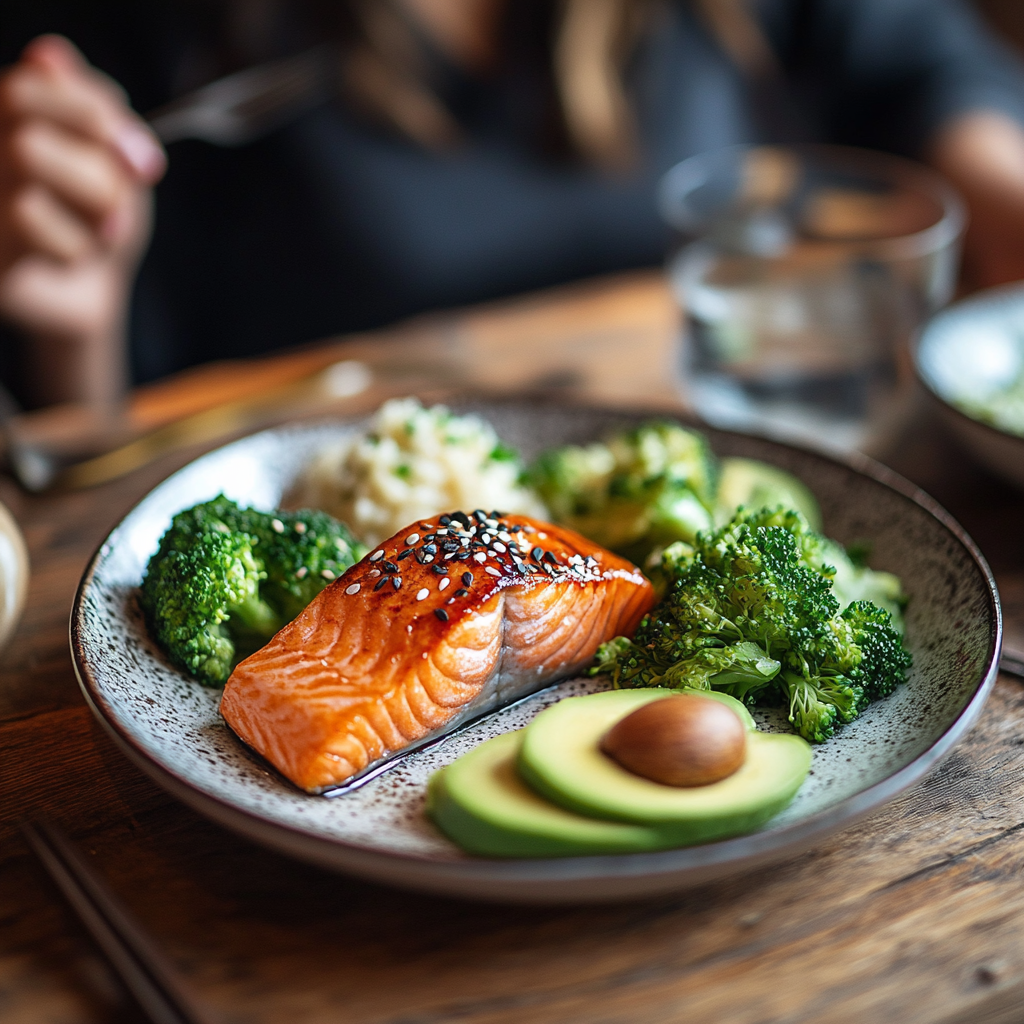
x: 689, y: 174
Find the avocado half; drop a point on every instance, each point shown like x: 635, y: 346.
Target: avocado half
x: 756, y: 484
x: 480, y: 803
x: 560, y: 758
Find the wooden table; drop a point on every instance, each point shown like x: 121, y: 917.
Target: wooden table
x: 914, y: 915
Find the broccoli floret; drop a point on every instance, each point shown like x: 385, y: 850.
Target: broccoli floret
x: 641, y: 488
x: 225, y: 579
x: 750, y: 610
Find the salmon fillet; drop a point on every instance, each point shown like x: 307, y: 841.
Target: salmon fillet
x: 446, y: 620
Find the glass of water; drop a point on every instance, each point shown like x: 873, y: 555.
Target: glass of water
x: 804, y: 276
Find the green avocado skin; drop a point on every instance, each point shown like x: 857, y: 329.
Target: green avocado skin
x: 481, y: 804
x: 559, y: 759
x: 683, y: 833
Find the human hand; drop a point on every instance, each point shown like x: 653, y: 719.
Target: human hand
x: 76, y: 170
x: 982, y: 154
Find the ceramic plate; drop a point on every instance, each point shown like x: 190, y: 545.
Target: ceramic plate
x: 969, y: 352
x: 169, y: 725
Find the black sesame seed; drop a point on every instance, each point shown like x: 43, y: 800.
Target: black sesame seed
x: 396, y: 582
x: 467, y: 579
x: 460, y: 592
x: 381, y: 582
x: 441, y: 570
x: 479, y: 515
x: 549, y: 557
x: 445, y: 520
x: 405, y: 554
x: 462, y: 518
x: 430, y: 549
x: 441, y: 614
x: 451, y: 545
x: 497, y: 515
x: 390, y: 567
x: 537, y: 554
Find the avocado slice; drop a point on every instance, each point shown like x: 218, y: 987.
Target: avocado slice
x: 560, y: 759
x: 756, y: 484
x: 480, y: 802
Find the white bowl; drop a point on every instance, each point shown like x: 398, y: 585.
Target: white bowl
x: 967, y: 352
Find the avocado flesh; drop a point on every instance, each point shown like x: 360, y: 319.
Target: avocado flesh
x: 754, y: 485
x: 481, y: 804
x: 560, y: 758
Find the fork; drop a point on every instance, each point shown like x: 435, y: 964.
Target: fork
x: 249, y: 104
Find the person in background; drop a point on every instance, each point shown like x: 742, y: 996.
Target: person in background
x: 476, y: 148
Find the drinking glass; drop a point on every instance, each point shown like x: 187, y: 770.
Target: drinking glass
x: 803, y: 276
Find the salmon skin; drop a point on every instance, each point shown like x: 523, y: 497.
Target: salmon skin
x: 447, y: 620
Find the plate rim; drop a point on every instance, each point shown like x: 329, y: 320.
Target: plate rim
x: 443, y: 875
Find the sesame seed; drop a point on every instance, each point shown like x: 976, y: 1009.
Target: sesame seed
x: 396, y: 582
x: 492, y: 523
x: 444, y: 584
x: 480, y: 516
x: 479, y: 557
x: 485, y: 538
x: 427, y: 559
x: 445, y: 520
x: 492, y: 570
x: 299, y: 527
x: 537, y: 554
x: 504, y: 535
x: 549, y: 557
x: 327, y: 574
x: 426, y: 526
x: 451, y: 600
x: 300, y: 573
x: 390, y: 567
x: 498, y: 546
x: 422, y: 595
x: 277, y: 525
x: 381, y: 582
x: 405, y: 554
x: 377, y: 555
x: 441, y: 614
x: 443, y: 532
x: 460, y: 593
x: 373, y: 574
x: 451, y: 554
x: 412, y: 538
x: 467, y: 579
x: 441, y: 570
x: 352, y: 588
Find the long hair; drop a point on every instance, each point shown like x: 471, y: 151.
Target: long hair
x: 586, y: 46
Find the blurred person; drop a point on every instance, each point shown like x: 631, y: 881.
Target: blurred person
x: 476, y: 148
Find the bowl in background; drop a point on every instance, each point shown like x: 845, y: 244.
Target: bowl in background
x: 968, y: 353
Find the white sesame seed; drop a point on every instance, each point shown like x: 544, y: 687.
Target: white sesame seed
x: 299, y: 527
x: 485, y: 537
x: 300, y: 573
x: 498, y: 546
x: 352, y: 588
x: 451, y: 554
x: 373, y: 573
x: 412, y: 538
x: 480, y: 557
x: 377, y: 555
x: 422, y: 595
x: 444, y: 584
x: 451, y: 600
x: 426, y: 526
x: 327, y: 574
x: 427, y: 559
x: 542, y: 536
x: 443, y: 532
x: 504, y: 535
x: 492, y: 570
x: 492, y: 523
x: 277, y: 525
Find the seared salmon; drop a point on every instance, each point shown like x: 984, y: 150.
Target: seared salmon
x: 446, y: 620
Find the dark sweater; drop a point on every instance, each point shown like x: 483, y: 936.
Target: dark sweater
x: 332, y: 224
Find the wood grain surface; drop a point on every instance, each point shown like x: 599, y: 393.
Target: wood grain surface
x: 916, y: 915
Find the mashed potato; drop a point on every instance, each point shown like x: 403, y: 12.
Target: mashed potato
x: 415, y: 463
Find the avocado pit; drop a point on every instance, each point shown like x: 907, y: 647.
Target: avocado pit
x: 683, y: 740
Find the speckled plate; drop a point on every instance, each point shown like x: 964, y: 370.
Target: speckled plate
x: 169, y: 725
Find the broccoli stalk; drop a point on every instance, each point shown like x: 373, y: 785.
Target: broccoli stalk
x: 224, y: 580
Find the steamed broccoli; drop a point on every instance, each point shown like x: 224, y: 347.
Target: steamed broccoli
x: 752, y: 612
x: 641, y: 488
x: 225, y: 579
